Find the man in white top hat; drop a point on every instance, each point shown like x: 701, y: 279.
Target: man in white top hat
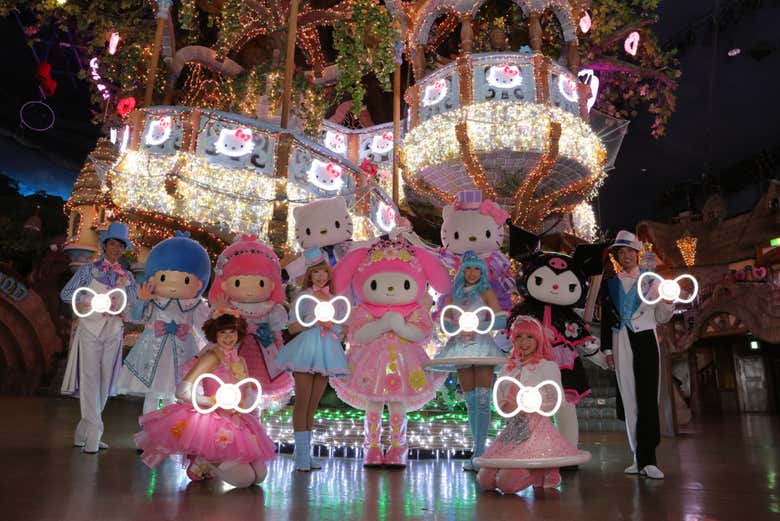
x: 95, y: 355
x: 628, y: 339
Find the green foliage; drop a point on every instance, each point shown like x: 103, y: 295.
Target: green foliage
x: 364, y: 44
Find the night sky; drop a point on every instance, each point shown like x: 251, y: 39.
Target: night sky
x: 705, y: 134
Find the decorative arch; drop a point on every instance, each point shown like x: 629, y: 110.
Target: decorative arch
x: 432, y: 9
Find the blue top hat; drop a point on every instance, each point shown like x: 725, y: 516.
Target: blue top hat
x: 117, y: 231
x: 313, y: 256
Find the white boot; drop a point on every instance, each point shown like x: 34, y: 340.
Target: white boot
x: 239, y: 475
x: 261, y: 471
x: 652, y: 472
x: 632, y: 469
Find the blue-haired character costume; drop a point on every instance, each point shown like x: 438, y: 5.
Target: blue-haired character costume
x: 172, y: 334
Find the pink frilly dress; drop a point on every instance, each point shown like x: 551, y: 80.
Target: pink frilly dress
x: 389, y: 368
x: 216, y: 437
x: 261, y: 346
x: 527, y: 436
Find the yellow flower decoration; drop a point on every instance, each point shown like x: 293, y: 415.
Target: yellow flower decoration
x: 178, y: 429
x: 376, y: 256
x: 417, y: 380
x: 392, y: 356
x: 392, y: 367
x: 404, y: 255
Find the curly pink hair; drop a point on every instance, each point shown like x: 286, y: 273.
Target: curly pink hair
x: 248, y: 256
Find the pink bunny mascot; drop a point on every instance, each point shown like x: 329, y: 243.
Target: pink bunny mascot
x: 387, y: 330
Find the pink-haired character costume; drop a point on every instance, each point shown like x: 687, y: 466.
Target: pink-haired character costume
x: 248, y: 278
x: 386, y: 332
x: 530, y: 437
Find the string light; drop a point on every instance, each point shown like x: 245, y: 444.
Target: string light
x: 687, y: 246
x: 584, y: 221
x: 631, y: 44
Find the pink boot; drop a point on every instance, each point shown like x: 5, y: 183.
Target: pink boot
x: 552, y: 478
x: 372, y: 427
x: 511, y: 481
x: 398, y: 453
x: 487, y: 478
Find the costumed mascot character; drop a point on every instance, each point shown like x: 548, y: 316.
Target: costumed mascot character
x: 324, y: 224
x: 95, y: 355
x: 472, y: 224
x: 387, y: 330
x: 170, y: 306
x: 552, y: 286
x: 247, y: 277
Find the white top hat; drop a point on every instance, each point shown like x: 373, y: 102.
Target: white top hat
x: 626, y: 238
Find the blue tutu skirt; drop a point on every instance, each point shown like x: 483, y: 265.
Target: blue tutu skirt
x: 312, y: 352
x: 479, y: 346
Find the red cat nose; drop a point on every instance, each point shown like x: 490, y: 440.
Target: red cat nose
x: 555, y: 286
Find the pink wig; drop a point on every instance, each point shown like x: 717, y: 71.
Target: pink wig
x: 390, y: 256
x: 248, y: 256
x: 532, y: 327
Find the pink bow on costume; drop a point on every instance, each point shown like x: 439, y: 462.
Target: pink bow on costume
x: 634, y: 273
x: 171, y: 328
x: 116, y: 267
x: 493, y: 210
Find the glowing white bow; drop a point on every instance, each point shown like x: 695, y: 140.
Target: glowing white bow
x: 668, y: 289
x: 324, y: 310
x: 529, y: 399
x: 100, y: 303
x: 468, y: 321
x: 228, y: 396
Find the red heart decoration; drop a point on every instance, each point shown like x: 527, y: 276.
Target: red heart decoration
x: 125, y: 106
x: 759, y: 273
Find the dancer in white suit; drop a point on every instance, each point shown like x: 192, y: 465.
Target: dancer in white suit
x: 96, y: 350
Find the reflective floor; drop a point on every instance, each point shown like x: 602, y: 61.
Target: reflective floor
x: 718, y: 470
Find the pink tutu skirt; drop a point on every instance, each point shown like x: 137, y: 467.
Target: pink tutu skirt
x: 392, y: 373
x: 544, y: 442
x: 216, y: 437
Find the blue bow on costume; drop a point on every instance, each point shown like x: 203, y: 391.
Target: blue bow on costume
x: 264, y: 334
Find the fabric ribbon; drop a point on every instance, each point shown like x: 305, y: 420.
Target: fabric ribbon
x: 262, y: 331
x: 171, y: 328
x: 116, y: 267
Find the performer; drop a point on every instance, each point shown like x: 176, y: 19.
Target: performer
x: 387, y: 330
x: 472, y: 224
x: 529, y: 439
x: 313, y: 355
x: 169, y: 304
x: 629, y: 342
x: 471, y: 290
x: 96, y: 350
x: 229, y: 444
x: 248, y: 277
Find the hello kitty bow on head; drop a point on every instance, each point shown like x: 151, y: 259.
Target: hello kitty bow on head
x: 332, y: 171
x: 244, y: 134
x: 510, y: 70
x: 491, y: 209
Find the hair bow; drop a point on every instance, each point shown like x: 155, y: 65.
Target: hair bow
x: 493, y: 210
x: 243, y: 134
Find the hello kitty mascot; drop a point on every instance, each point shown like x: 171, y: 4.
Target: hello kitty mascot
x: 386, y: 332
x: 478, y: 225
x: 324, y: 224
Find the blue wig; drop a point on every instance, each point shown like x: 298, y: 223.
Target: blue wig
x: 180, y: 253
x: 470, y: 260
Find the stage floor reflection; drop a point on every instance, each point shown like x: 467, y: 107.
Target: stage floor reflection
x: 717, y: 470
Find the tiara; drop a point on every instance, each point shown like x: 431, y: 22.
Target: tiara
x: 391, y: 250
x: 223, y: 259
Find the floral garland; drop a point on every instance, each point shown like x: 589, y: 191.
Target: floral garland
x: 364, y: 44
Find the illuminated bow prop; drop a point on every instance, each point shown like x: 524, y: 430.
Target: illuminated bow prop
x: 100, y: 303
x: 529, y: 399
x: 468, y: 321
x: 228, y: 396
x: 324, y: 310
x: 668, y: 289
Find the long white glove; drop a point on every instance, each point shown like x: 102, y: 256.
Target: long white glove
x: 184, y: 393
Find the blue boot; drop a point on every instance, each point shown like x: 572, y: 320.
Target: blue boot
x: 481, y: 420
x: 301, y: 453
x: 470, y: 397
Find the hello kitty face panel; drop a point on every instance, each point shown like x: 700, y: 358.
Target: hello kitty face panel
x: 323, y: 222
x: 385, y: 216
x: 326, y: 176
x: 159, y: 131
x: 235, y: 142
x: 390, y: 287
x: 336, y: 142
x: 504, y: 76
x: 464, y: 230
x: 435, y: 92
x: 559, y: 289
x: 382, y: 143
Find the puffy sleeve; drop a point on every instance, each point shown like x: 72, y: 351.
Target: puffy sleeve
x: 80, y: 279
x: 200, y: 314
x: 421, y: 319
x: 550, y: 371
x: 359, y: 318
x: 277, y: 318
